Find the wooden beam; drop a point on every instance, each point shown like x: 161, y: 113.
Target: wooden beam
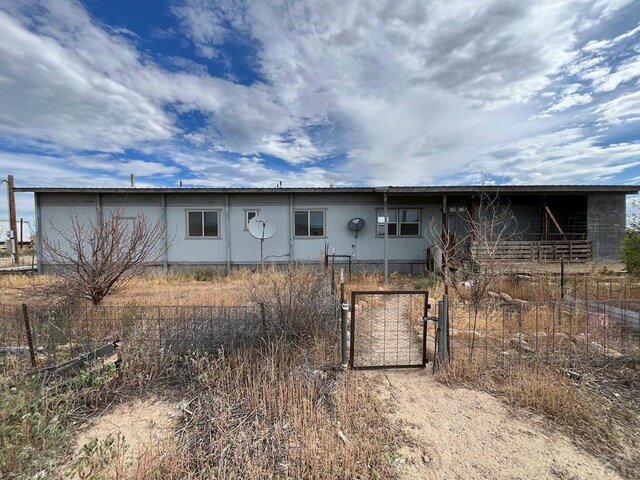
x: 555, y: 222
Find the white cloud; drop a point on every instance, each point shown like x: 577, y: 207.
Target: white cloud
x: 623, y: 109
x: 49, y: 94
x: 596, y: 45
x: 209, y: 24
x: 569, y: 101
x: 624, y: 73
x: 560, y: 157
x: 410, y: 91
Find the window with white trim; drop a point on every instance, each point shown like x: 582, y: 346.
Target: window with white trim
x: 401, y: 222
x: 309, y: 223
x: 249, y: 214
x: 202, y: 223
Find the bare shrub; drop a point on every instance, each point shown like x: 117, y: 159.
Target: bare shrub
x: 472, y: 264
x: 267, y: 413
x: 298, y: 302
x: 97, y: 257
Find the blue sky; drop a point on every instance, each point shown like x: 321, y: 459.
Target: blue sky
x: 245, y: 93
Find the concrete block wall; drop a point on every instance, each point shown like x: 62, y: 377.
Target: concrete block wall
x: 606, y: 223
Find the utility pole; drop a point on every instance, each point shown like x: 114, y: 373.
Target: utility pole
x: 13, y: 221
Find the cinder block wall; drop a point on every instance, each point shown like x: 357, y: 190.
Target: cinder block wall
x: 606, y: 223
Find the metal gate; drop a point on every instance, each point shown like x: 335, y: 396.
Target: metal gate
x: 388, y: 329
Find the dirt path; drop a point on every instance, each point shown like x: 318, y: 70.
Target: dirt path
x: 384, y: 333
x: 466, y: 434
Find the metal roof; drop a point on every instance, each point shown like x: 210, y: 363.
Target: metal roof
x: 434, y: 190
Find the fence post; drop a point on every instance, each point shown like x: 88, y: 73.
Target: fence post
x: 27, y: 327
x: 562, y: 277
x: 443, y: 330
x: 333, y: 271
x: 447, y: 336
x: 344, y: 307
x: 263, y: 315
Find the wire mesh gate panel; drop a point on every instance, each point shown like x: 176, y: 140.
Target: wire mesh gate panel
x: 388, y: 329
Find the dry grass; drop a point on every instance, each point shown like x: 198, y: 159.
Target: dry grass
x: 578, y: 408
x: 255, y: 413
x: 540, y: 288
x: 272, y: 411
x: 287, y: 419
x: 206, y: 287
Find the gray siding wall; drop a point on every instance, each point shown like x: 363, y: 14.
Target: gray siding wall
x: 606, y: 221
x: 236, y: 246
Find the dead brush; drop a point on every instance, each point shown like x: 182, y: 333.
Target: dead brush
x: 544, y: 391
x: 297, y: 302
x: 264, y: 413
x: 461, y: 372
x: 538, y: 288
x: 553, y: 395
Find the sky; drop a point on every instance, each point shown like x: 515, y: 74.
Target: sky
x: 318, y: 93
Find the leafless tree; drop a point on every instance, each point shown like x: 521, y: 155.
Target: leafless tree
x: 94, y: 257
x: 488, y: 248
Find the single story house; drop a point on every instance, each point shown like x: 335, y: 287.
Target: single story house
x: 208, y: 227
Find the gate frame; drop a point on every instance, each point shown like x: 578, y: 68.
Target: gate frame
x: 425, y: 313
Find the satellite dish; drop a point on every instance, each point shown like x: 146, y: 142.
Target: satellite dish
x: 355, y: 225
x: 262, y: 227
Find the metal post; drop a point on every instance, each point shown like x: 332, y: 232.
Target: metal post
x: 562, y: 277
x: 353, y: 330
x: 440, y: 335
x: 344, y: 308
x: 291, y: 229
x: 165, y: 260
x: 386, y: 237
x: 444, y: 237
x: 21, y: 240
x: 27, y: 327
x: 38, y: 243
x: 227, y: 227
x: 12, y: 219
x: 425, y: 319
x: 445, y: 323
x: 333, y: 271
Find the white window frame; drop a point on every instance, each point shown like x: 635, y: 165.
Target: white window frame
x: 202, y: 211
x: 247, y: 211
x: 308, y: 212
x: 398, y: 223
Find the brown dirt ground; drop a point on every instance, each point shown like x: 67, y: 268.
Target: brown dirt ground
x: 142, y: 423
x: 466, y: 434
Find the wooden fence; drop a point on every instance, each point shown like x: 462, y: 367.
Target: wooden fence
x: 543, y: 251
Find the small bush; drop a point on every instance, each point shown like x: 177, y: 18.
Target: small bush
x: 298, y: 302
x: 631, y: 251
x: 203, y: 276
x: 35, y: 429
